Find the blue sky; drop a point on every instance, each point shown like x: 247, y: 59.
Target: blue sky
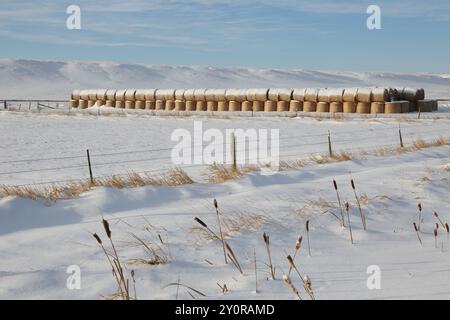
x: 321, y: 34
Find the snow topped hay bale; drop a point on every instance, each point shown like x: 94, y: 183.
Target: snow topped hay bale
x: 260, y: 95
x: 380, y: 95
x: 75, y: 95
x: 247, y: 106
x: 150, y: 105
x: 285, y: 95
x: 410, y: 94
x: 170, y: 105
x: 377, y: 107
x: 234, y: 106
x: 425, y: 105
x: 199, y: 95
x: 274, y: 94
x: 349, y: 107
x: 309, y: 106
x: 211, y: 105
x: 350, y: 95
x: 282, y: 106
x: 200, y: 105
x: 295, y: 106
x: 209, y: 95
x: 179, y: 94
x: 92, y: 94
x: 237, y: 95
x: 110, y: 104
x: 130, y: 95
x: 120, y: 95
x: 129, y: 104
x: 421, y: 94
x: 394, y: 95
x: 364, y: 95
x: 140, y: 95
x: 84, y: 95
x: 258, y: 106
x: 165, y: 94
x: 299, y: 94
x: 111, y: 94
x: 363, y: 107
x: 190, y: 105
x: 160, y: 105
x: 82, y: 104
x: 393, y: 107
x: 120, y: 104
x: 220, y: 95
x: 189, y: 95
x: 101, y: 94
x: 222, y: 106
x: 323, y: 95
x: 180, y: 105
x: 323, y: 107
x: 140, y: 104
x: 336, y: 95
x: 336, y: 107
x: 270, y: 106
x: 311, y: 95
x: 73, y: 104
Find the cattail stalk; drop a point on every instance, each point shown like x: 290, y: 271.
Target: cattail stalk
x: 307, y: 236
x: 267, y: 243
x: 417, y: 232
x: 347, y: 209
x: 339, y: 201
x: 439, y: 219
x: 419, y: 206
x: 298, y: 245
x: 363, y: 218
x: 305, y: 284
x: 435, y: 232
x: 447, y: 229
x: 288, y: 282
x: 220, y: 231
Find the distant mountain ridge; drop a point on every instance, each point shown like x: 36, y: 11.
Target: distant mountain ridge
x: 33, y: 79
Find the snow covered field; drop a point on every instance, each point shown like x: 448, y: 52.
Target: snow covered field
x: 40, y: 239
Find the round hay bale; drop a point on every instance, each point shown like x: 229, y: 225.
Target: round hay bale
x: 311, y: 95
x: 364, y: 95
x: 101, y: 94
x: 189, y: 95
x: 120, y: 95
x: 260, y: 95
x: 179, y: 94
x: 323, y: 107
x: 211, y: 105
x: 165, y: 94
x: 405, y: 106
x: 73, y: 104
x: 237, y: 95
x: 200, y: 105
x: 413, y: 106
x: 285, y: 94
x: 150, y: 105
x: 140, y: 95
x: 380, y: 95
x: 84, y: 95
x: 150, y: 94
x: 120, y: 104
x: 258, y: 106
x: 323, y: 96
x: 160, y: 105
x: 274, y: 94
x: 129, y: 104
x: 190, y: 105
x: 111, y: 94
x: 222, y: 106
x: 130, y: 95
x: 82, y: 104
x: 170, y: 105
x: 349, y: 107
x: 377, y: 107
x: 209, y: 95
x: 220, y: 95
x: 180, y: 105
x: 199, y: 95
x: 421, y: 94
x: 336, y: 107
x: 295, y: 106
x: 100, y: 103
x: 336, y: 95
x: 75, y: 95
x: 425, y: 105
x: 394, y: 95
x: 110, y: 104
x: 393, y: 107
x: 91, y: 103
x: 270, y: 106
x: 139, y: 104
x: 410, y: 94
x: 92, y: 94
x: 309, y: 106
x: 234, y: 106
x: 363, y: 107
x: 247, y: 106
x: 350, y: 95
x: 299, y: 94
x: 435, y: 105
x: 282, y: 106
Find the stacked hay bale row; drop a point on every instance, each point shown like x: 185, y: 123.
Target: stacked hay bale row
x: 351, y: 100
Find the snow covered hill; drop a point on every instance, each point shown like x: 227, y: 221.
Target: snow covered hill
x: 30, y: 79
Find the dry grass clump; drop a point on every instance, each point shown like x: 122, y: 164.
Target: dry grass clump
x: 53, y: 192
x: 218, y: 173
x: 292, y: 164
x: 336, y: 157
x: 156, y: 254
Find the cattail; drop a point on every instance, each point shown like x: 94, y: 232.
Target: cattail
x: 267, y: 243
x: 363, y: 218
x: 339, y: 201
x: 220, y: 230
x: 440, y: 221
x: 97, y: 238
x: 308, y: 286
x: 233, y: 258
x: 215, y: 204
x: 347, y: 209
x: 447, y: 229
x: 106, y: 227
x: 200, y: 222
x: 417, y: 232
x: 307, y: 236
x: 419, y: 206
x: 288, y: 282
x: 298, y: 244
x: 304, y: 279
x: 435, y: 236
x: 134, y: 283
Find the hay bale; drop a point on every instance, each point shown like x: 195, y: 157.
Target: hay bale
x: 380, y: 95
x: 129, y: 104
x: 285, y: 94
x: 323, y: 95
x: 120, y: 104
x: 120, y: 95
x: 180, y: 105
x: 336, y: 95
x: 75, y: 95
x: 100, y: 103
x: 309, y: 106
x: 425, y: 105
x: 234, y: 106
x: 200, y: 105
x: 101, y: 94
x: 91, y: 103
x: 394, y: 95
x: 150, y: 95
x: 260, y: 95
x: 299, y: 94
x: 160, y: 105
x: 222, y: 106
x: 295, y: 106
x: 247, y: 106
x: 377, y: 107
x: 170, y: 105
x: 311, y: 95
x: 393, y: 107
x: 406, y: 108
x: 410, y: 94
x: 421, y: 94
x: 140, y: 95
x: 323, y: 107
x: 110, y: 104
x: 111, y: 94
x: 413, y: 106
x: 364, y: 95
x: 92, y: 94
x: 139, y: 104
x: 270, y: 106
x: 363, y: 107
x: 179, y: 94
x: 220, y: 95
x: 150, y: 105
x: 130, y: 95
x: 190, y: 105
x: 211, y: 105
x: 349, y: 107
x: 282, y: 106
x: 165, y: 94
x: 84, y: 95
x: 82, y: 104
x: 237, y: 95
x: 73, y: 104
x: 274, y: 94
x: 336, y: 107
x: 258, y: 106
x: 350, y: 95
x: 199, y: 95
x: 189, y: 95
x: 209, y: 95
x: 435, y: 105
